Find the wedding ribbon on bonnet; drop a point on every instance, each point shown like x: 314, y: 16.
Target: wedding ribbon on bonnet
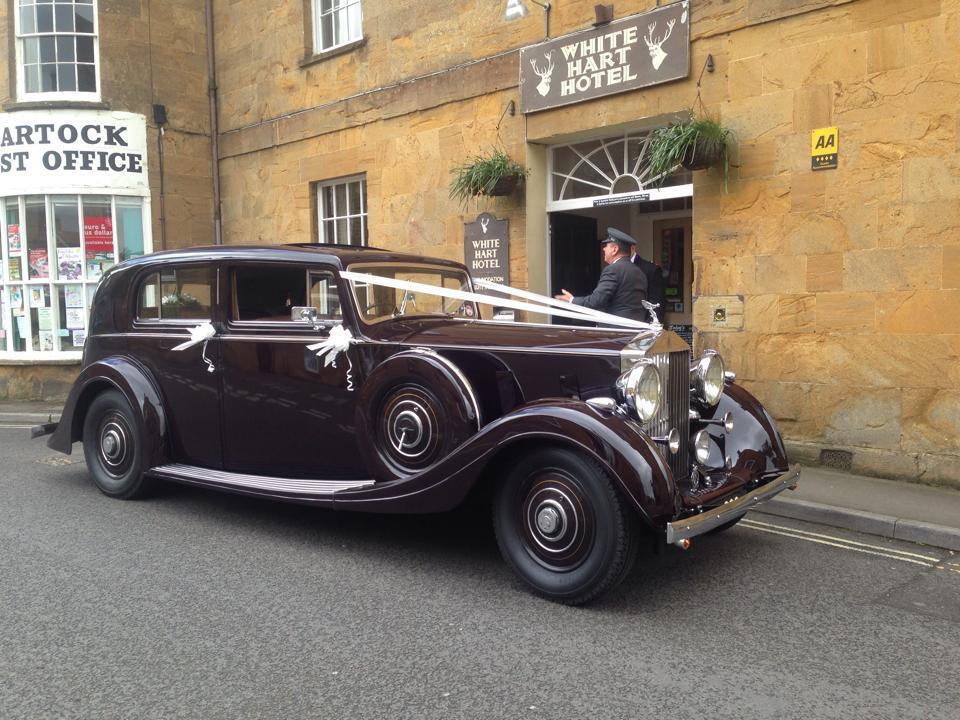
x: 337, y: 342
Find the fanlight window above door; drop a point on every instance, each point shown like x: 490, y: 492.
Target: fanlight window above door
x: 611, y: 166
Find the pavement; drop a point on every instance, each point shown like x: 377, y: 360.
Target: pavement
x: 887, y: 508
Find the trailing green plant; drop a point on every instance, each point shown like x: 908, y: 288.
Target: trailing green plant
x: 696, y: 144
x: 491, y: 174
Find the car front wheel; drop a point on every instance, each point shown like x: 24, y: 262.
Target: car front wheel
x: 561, y: 526
x: 112, y: 447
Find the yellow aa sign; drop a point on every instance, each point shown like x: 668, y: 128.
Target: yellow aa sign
x: 824, y: 146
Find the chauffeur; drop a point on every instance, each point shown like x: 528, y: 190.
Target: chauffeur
x: 622, y: 286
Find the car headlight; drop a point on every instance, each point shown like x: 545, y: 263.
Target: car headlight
x: 701, y: 446
x: 640, y: 388
x: 708, y: 378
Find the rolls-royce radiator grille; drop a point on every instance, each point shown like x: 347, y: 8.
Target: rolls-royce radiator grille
x: 674, y: 411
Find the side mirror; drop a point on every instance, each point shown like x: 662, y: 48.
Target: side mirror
x: 303, y: 314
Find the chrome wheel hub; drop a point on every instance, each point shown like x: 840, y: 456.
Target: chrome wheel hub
x: 551, y: 518
x: 113, y: 444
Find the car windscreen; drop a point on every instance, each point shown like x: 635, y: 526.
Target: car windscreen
x: 376, y: 302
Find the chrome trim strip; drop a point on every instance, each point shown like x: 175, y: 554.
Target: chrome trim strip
x: 730, y: 510
x: 360, y: 340
x: 293, y: 486
x: 452, y: 367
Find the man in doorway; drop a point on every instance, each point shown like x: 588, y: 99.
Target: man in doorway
x: 656, y: 293
x: 622, y: 286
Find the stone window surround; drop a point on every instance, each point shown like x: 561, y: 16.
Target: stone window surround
x: 23, y: 101
x: 310, y: 54
x: 320, y: 186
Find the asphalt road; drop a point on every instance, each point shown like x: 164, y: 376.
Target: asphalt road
x: 198, y: 605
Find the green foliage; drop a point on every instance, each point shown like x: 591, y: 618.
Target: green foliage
x: 698, y: 143
x: 481, y: 174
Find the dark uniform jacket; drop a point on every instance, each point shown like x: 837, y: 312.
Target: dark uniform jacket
x: 621, y: 290
x: 656, y: 292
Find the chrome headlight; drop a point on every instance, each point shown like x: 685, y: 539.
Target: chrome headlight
x: 708, y: 378
x: 701, y: 446
x: 640, y: 388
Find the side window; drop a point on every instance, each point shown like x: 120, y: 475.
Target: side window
x: 267, y: 293
x: 324, y: 297
x: 184, y: 293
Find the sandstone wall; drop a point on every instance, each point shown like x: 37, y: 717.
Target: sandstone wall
x: 842, y: 287
x: 156, y: 53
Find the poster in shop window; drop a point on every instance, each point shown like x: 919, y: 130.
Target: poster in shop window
x: 13, y: 239
x: 38, y: 296
x: 75, y: 319
x: 73, y: 296
x: 69, y: 265
x: 98, y: 239
x: 39, y: 266
x: 79, y: 337
x: 16, y: 298
x: 13, y: 267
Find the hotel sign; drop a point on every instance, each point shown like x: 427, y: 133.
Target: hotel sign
x: 638, y: 51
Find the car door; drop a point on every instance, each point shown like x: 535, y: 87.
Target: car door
x: 286, y: 413
x: 170, y: 300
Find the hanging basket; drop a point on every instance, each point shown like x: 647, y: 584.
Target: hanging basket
x: 503, y: 186
x: 702, y: 158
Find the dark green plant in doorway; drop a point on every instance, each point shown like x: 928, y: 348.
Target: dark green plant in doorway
x: 491, y: 174
x: 697, y: 144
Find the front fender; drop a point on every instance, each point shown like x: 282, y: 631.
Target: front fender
x: 754, y: 432
x: 619, y: 445
x: 133, y: 380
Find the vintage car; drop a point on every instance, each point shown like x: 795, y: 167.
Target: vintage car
x: 364, y: 379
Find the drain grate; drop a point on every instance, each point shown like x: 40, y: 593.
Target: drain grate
x: 838, y: 459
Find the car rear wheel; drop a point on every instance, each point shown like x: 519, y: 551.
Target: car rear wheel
x: 562, y: 527
x: 112, y: 447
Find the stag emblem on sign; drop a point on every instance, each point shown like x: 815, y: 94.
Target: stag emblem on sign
x: 543, y: 87
x: 483, y: 224
x: 657, y: 55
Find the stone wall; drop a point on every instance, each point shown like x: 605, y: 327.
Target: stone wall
x: 156, y: 53
x: 849, y: 283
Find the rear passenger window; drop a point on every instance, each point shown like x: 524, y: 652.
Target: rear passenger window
x: 282, y: 294
x: 184, y: 293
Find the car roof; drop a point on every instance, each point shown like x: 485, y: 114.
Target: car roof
x: 339, y: 256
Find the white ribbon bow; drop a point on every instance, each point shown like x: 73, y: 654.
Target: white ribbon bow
x: 337, y: 342
x: 200, y: 333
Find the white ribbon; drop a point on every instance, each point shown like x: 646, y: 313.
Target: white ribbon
x: 588, y: 313
x: 200, y: 333
x: 544, y: 305
x: 337, y: 342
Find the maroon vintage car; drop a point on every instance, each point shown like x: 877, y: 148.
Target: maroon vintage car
x: 275, y: 372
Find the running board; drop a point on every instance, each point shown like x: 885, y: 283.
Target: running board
x: 260, y: 483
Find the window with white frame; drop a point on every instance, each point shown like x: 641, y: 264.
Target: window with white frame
x: 55, y: 249
x: 335, y: 23
x: 342, y: 211
x: 57, y: 49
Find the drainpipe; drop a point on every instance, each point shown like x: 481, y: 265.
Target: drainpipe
x: 214, y: 125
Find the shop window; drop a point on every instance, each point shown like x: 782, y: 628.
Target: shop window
x: 57, y: 49
x: 335, y: 23
x: 54, y: 251
x: 342, y: 209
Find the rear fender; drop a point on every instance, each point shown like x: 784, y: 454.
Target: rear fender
x: 134, y: 382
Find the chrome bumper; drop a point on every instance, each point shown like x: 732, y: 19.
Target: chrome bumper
x: 730, y: 510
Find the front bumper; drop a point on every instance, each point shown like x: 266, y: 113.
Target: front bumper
x: 732, y: 509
